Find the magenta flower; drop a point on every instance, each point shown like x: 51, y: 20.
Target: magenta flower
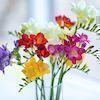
x: 51, y: 49
x: 83, y: 38
x: 73, y: 39
x: 5, y: 57
x: 59, y: 48
x: 73, y: 47
x: 56, y: 49
x: 74, y: 53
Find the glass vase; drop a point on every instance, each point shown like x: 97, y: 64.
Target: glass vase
x: 44, y: 90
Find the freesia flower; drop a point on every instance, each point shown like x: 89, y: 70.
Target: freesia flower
x: 40, y: 39
x: 80, y: 39
x: 30, y: 40
x: 42, y: 51
x: 40, y: 42
x: 71, y: 39
x: 5, y: 57
x: 56, y: 49
x: 51, y: 49
x: 74, y: 53
x: 25, y: 41
x: 83, y: 38
x: 34, y: 69
x: 84, y: 12
x: 69, y: 63
x: 63, y: 21
x: 31, y: 27
x: 75, y: 47
x: 52, y: 32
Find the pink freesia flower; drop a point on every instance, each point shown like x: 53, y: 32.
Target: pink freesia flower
x: 73, y: 39
x: 73, y: 47
x: 51, y: 49
x: 83, y: 38
x: 74, y: 53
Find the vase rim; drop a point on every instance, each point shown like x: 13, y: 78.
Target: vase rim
x: 49, y: 86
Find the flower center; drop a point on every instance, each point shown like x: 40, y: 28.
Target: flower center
x: 74, y: 53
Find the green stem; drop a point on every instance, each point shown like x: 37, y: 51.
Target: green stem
x: 75, y: 29
x: 59, y: 84
x: 36, y: 90
x: 40, y: 88
x: 52, y: 81
x: 43, y: 89
x: 51, y: 91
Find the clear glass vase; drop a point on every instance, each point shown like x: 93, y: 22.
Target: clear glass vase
x: 47, y: 91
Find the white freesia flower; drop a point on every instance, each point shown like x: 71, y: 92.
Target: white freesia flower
x: 53, y: 30
x: 83, y: 11
x: 31, y: 27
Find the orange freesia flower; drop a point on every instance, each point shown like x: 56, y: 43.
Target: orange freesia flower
x: 63, y: 21
x: 34, y: 69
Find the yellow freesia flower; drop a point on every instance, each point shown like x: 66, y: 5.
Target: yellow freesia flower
x: 35, y: 69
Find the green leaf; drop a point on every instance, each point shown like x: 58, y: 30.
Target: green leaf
x: 16, y: 54
x: 89, y: 49
x: 20, y: 90
x: 25, y: 80
x: 94, y: 51
x: 21, y: 85
x: 82, y: 67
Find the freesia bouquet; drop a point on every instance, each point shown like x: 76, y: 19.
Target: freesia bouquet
x: 52, y: 51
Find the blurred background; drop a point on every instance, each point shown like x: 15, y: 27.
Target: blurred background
x: 15, y: 12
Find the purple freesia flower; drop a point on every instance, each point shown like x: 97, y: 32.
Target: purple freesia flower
x: 56, y: 49
x: 59, y: 48
x: 51, y: 49
x: 5, y: 57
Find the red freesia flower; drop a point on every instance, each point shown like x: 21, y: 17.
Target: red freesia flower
x: 30, y: 40
x: 40, y: 39
x: 32, y: 37
x: 63, y: 21
x: 67, y: 22
x: 42, y: 51
x: 59, y: 20
x: 24, y: 41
